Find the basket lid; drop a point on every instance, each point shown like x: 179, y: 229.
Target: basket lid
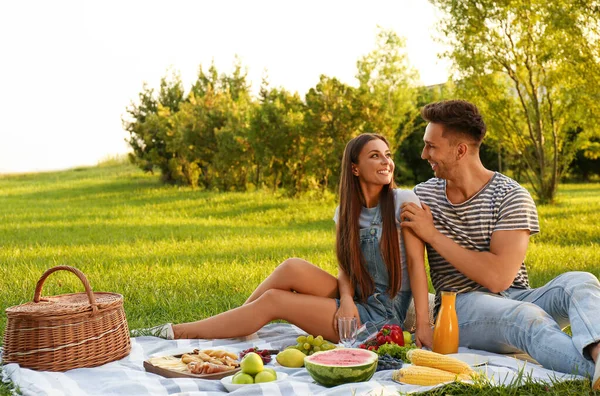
x: 66, y: 304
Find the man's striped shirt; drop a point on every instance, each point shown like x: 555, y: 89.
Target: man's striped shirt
x: 502, y: 204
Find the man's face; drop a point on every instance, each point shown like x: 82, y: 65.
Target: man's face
x: 438, y: 151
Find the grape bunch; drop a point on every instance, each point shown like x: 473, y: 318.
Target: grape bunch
x: 387, y: 362
x: 265, y: 354
x: 309, y: 344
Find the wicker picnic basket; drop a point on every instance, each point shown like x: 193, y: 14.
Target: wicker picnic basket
x: 68, y: 331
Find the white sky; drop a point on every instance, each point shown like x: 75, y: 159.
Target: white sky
x: 68, y: 69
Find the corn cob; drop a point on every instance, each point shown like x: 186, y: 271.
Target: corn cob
x: 420, y: 357
x: 421, y: 375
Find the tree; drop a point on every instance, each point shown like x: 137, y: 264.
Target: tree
x: 587, y: 161
x: 410, y: 167
x: 332, y: 119
x: 532, y: 67
x: 219, y: 136
x: 208, y: 138
x: 275, y: 135
x: 232, y: 160
x: 136, y: 125
x: 387, y: 88
x: 149, y: 125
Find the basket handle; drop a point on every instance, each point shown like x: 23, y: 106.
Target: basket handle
x: 80, y: 275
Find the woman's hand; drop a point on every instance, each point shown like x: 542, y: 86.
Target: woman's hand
x: 347, y: 309
x: 424, y: 336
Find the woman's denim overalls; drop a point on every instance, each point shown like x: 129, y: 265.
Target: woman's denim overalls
x: 379, y: 308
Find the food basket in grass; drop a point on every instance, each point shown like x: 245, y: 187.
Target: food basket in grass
x: 67, y: 331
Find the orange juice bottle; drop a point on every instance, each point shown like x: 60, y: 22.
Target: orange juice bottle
x: 445, y: 333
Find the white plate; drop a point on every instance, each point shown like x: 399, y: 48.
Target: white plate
x: 472, y: 359
x: 232, y: 387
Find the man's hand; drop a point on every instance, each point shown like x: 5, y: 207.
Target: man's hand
x: 419, y: 220
x: 424, y: 336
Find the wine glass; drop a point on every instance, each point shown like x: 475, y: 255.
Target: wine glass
x: 347, y: 330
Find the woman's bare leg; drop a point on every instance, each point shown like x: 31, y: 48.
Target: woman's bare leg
x: 313, y: 314
x: 298, y: 275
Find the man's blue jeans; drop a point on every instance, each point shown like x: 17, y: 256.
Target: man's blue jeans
x: 531, y: 320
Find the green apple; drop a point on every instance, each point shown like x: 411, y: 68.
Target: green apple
x: 407, y: 338
x: 271, y: 371
x: 265, y: 376
x: 242, y: 378
x: 252, y: 364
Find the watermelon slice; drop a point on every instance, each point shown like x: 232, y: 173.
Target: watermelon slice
x: 341, y: 366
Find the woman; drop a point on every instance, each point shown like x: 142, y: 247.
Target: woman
x: 371, y: 284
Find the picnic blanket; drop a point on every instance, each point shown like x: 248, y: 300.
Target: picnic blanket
x: 128, y: 377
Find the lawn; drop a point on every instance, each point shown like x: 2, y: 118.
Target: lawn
x: 179, y: 255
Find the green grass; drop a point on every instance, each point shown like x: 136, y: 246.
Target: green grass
x: 7, y: 388
x: 179, y: 255
x: 522, y: 384
x: 175, y: 254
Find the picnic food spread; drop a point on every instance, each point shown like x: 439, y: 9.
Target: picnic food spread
x: 122, y: 376
x: 207, y: 361
x: 330, y: 367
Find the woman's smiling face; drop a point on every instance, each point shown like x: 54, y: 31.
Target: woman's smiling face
x: 375, y: 164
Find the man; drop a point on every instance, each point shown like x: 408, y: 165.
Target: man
x: 476, y: 225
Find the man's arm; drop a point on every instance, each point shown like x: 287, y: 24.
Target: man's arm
x: 494, y: 270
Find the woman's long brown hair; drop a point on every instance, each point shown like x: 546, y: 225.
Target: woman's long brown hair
x: 350, y: 257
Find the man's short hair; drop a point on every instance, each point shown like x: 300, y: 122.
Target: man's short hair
x: 456, y: 116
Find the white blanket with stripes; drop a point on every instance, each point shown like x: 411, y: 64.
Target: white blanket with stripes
x: 128, y: 377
